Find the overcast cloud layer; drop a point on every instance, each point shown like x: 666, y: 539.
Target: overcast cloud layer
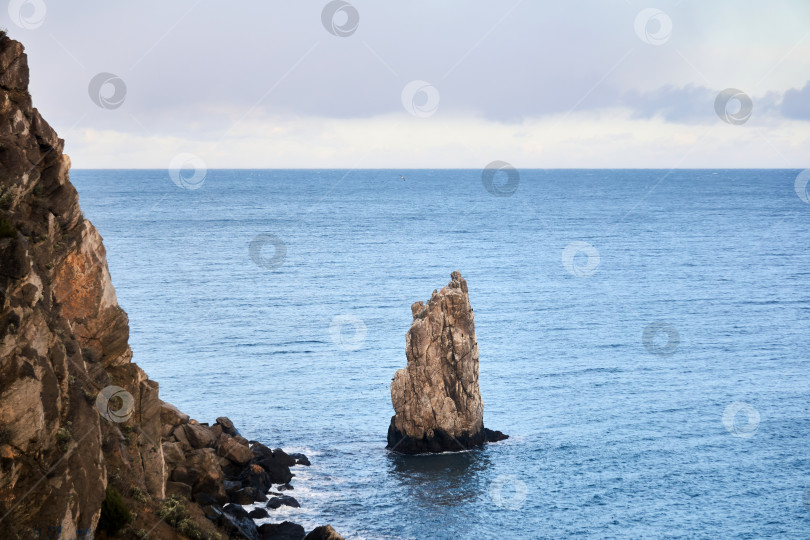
x: 536, y: 83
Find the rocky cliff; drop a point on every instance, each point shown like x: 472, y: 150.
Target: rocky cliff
x: 436, y: 397
x: 87, y: 448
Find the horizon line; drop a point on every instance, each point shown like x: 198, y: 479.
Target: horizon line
x: 445, y: 169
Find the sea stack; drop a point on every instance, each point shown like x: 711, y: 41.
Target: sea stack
x: 436, y: 398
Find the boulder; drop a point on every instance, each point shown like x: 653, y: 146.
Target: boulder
x: 300, y: 459
x: 256, y: 477
x: 243, y: 496
x: 199, y: 436
x: 185, y: 475
x: 210, y: 479
x: 437, y: 400
x: 275, y: 462
x: 282, y: 500
x: 280, y: 456
x: 259, y: 450
x: 180, y: 436
x: 324, y: 532
x: 278, y: 473
x: 231, y: 448
x: 231, y: 486
x: 235, y: 510
x: 258, y: 513
x: 283, y: 531
x: 171, y: 415
x: 246, y: 495
x: 237, y: 524
x: 227, y: 426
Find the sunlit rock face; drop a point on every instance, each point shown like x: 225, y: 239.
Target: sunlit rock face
x: 436, y: 398
x: 76, y: 414
x: 63, y: 337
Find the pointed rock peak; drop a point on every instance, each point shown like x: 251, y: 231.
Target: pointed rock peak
x: 436, y: 397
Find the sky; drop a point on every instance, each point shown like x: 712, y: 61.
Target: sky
x: 422, y: 84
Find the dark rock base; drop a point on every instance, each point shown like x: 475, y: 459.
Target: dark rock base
x: 440, y: 442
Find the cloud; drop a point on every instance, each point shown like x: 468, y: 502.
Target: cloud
x: 796, y: 103
x: 585, y: 139
x: 690, y: 104
x: 197, y: 74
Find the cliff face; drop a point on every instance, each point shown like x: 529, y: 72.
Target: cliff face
x: 436, y: 397
x: 87, y: 448
x: 62, y: 334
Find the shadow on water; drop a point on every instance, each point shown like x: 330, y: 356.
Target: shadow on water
x: 431, y: 480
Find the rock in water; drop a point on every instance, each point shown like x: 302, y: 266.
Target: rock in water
x: 436, y: 397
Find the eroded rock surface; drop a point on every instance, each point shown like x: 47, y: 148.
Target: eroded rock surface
x: 436, y: 397
x: 63, y: 343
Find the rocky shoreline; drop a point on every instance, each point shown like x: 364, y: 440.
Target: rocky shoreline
x: 87, y: 447
x: 222, y: 471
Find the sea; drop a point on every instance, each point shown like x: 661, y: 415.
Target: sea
x: 643, y: 338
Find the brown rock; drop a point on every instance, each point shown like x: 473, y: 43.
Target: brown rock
x: 152, y: 460
x: 85, y: 294
x: 199, y: 436
x: 231, y: 448
x: 210, y: 478
x: 324, y: 532
x: 185, y: 475
x: 57, y: 302
x: 242, y: 440
x: 64, y: 338
x: 7, y: 452
x: 436, y: 397
x: 173, y: 455
x: 227, y: 426
x: 170, y: 415
x: 180, y: 434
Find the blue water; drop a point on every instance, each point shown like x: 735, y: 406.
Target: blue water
x: 607, y: 438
